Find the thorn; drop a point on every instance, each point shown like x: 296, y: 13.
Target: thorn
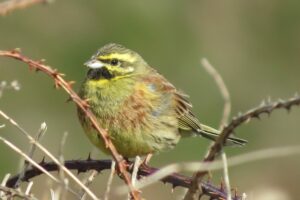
x: 69, y: 99
x: 269, y: 100
x: 43, y: 161
x: 235, y: 193
x: 71, y: 83
x: 239, y: 114
x: 89, y: 157
x: 56, y: 84
x: 263, y: 103
x: 222, y: 188
x: 31, y: 67
x: 85, y: 103
x: 55, y: 73
x: 42, y: 61
x: 256, y: 116
x: 280, y: 101
x: 248, y: 120
x: 16, y: 50
x: 288, y: 108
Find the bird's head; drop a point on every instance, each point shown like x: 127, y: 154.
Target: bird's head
x: 114, y: 61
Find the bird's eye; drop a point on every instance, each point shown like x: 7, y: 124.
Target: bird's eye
x: 114, y: 62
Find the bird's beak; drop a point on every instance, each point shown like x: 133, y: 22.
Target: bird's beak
x: 94, y: 64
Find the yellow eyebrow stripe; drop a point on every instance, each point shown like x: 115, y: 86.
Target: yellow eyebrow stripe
x: 125, y: 57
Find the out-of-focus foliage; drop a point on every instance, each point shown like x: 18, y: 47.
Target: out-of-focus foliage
x: 255, y: 46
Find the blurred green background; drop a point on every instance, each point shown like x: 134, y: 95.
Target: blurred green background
x: 254, y: 45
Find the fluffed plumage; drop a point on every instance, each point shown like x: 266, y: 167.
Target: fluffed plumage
x: 141, y: 110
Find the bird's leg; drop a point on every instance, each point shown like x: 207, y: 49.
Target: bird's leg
x: 147, y: 159
x: 127, y: 162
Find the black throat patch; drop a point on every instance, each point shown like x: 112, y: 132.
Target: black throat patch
x: 96, y: 74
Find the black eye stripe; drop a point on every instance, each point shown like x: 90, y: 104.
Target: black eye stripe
x: 113, y: 61
x: 107, y: 61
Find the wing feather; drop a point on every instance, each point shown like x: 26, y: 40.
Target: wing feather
x: 186, y: 119
x: 187, y: 123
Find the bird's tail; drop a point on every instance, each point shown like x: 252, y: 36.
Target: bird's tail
x: 212, y: 134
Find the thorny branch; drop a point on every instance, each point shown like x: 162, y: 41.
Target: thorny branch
x: 90, y: 164
x: 83, y: 105
x: 242, y: 118
x: 175, y: 179
x: 11, y: 5
x: 217, y: 146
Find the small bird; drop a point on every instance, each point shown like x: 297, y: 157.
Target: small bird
x: 142, y: 111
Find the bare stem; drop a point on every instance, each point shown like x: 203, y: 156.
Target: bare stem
x: 16, y: 193
x: 223, y: 90
x: 49, y: 154
x: 110, y: 179
x: 226, y: 175
x: 40, y: 134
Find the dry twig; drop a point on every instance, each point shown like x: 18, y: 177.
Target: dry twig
x: 4, y: 181
x: 11, y: 5
x: 226, y: 113
x: 50, y: 155
x: 29, y: 186
x: 40, y: 134
x: 87, y: 182
x: 226, y: 175
x: 15, y: 193
x: 222, y: 88
x: 20, y: 152
x: 61, y: 191
x: 110, y: 179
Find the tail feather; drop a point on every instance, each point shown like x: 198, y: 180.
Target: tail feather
x: 213, y: 134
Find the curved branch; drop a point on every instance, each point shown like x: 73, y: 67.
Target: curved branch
x: 83, y: 105
x: 217, y: 146
x: 253, y: 113
x: 84, y: 165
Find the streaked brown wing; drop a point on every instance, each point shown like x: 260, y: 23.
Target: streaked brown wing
x: 186, y: 120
